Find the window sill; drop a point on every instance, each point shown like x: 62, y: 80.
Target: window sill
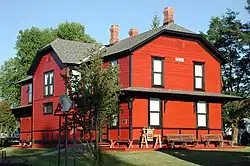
x: 203, y: 90
x: 113, y: 127
x: 48, y: 113
x: 155, y: 127
x: 157, y: 86
x: 47, y: 96
x: 204, y: 128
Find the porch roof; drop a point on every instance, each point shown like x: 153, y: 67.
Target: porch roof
x: 179, y: 94
x: 22, y: 111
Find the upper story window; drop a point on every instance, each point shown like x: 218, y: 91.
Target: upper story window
x: 30, y: 93
x: 48, y: 108
x: 157, y: 71
x: 49, y: 83
x: 201, y: 114
x: 199, y: 83
x: 114, y: 62
x: 154, y: 112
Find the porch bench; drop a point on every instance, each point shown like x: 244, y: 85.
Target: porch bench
x: 216, y: 139
x: 184, y: 139
x: 128, y: 142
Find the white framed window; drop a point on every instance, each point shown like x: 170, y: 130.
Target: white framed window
x: 48, y: 108
x: 199, y: 76
x: 157, y: 71
x: 49, y: 83
x: 154, y: 111
x: 30, y: 93
x: 201, y: 114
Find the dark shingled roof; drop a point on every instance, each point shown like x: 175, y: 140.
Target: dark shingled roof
x: 69, y: 51
x: 25, y: 79
x: 181, y: 92
x: 130, y: 42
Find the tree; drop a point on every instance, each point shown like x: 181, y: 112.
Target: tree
x: 7, y: 120
x: 231, y: 37
x: 29, y: 41
x: 95, y: 91
x: 155, y: 22
x: 248, y: 6
x: 9, y: 74
x: 73, y: 31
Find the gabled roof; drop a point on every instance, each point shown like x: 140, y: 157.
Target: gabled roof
x: 131, y: 43
x: 69, y: 51
x: 63, y: 52
x: 72, y: 52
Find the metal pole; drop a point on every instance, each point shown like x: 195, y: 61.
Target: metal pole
x: 74, y: 141
x: 59, y: 143
x: 66, y: 140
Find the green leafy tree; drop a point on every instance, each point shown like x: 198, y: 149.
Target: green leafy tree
x: 29, y: 41
x: 248, y: 6
x: 155, y: 22
x: 231, y: 37
x: 73, y: 31
x: 95, y: 90
x: 9, y: 74
x: 7, y: 120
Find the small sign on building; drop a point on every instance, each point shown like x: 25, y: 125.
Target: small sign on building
x: 179, y: 59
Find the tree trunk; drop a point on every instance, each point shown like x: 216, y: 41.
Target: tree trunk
x: 100, y: 131
x: 235, y: 134
x: 97, y: 138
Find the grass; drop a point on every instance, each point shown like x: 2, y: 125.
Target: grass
x: 170, y: 157
x: 22, y: 152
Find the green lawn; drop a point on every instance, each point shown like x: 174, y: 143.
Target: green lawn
x: 21, y: 152
x: 171, y: 157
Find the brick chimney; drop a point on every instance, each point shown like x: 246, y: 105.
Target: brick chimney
x: 114, y: 34
x: 168, y: 15
x: 133, y: 32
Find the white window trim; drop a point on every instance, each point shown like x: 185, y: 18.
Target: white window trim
x: 154, y: 112
x: 202, y: 114
x: 199, y: 75
x: 159, y: 71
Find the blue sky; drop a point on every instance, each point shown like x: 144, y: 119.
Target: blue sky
x: 98, y: 16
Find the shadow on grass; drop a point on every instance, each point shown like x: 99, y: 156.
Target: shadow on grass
x: 80, y: 159
x: 110, y: 160
x: 211, y: 157
x: 22, y: 152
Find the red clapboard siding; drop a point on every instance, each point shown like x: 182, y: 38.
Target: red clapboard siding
x: 177, y: 114
x: 24, y: 94
x: 124, y: 71
x: 41, y: 121
x: 177, y: 75
x: 25, y: 124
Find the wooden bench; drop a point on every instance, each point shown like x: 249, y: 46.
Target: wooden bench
x: 216, y: 139
x: 128, y: 142
x: 183, y: 139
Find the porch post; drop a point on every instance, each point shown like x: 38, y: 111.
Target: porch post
x: 130, y: 107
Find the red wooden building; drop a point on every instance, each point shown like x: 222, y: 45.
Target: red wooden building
x: 171, y: 75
